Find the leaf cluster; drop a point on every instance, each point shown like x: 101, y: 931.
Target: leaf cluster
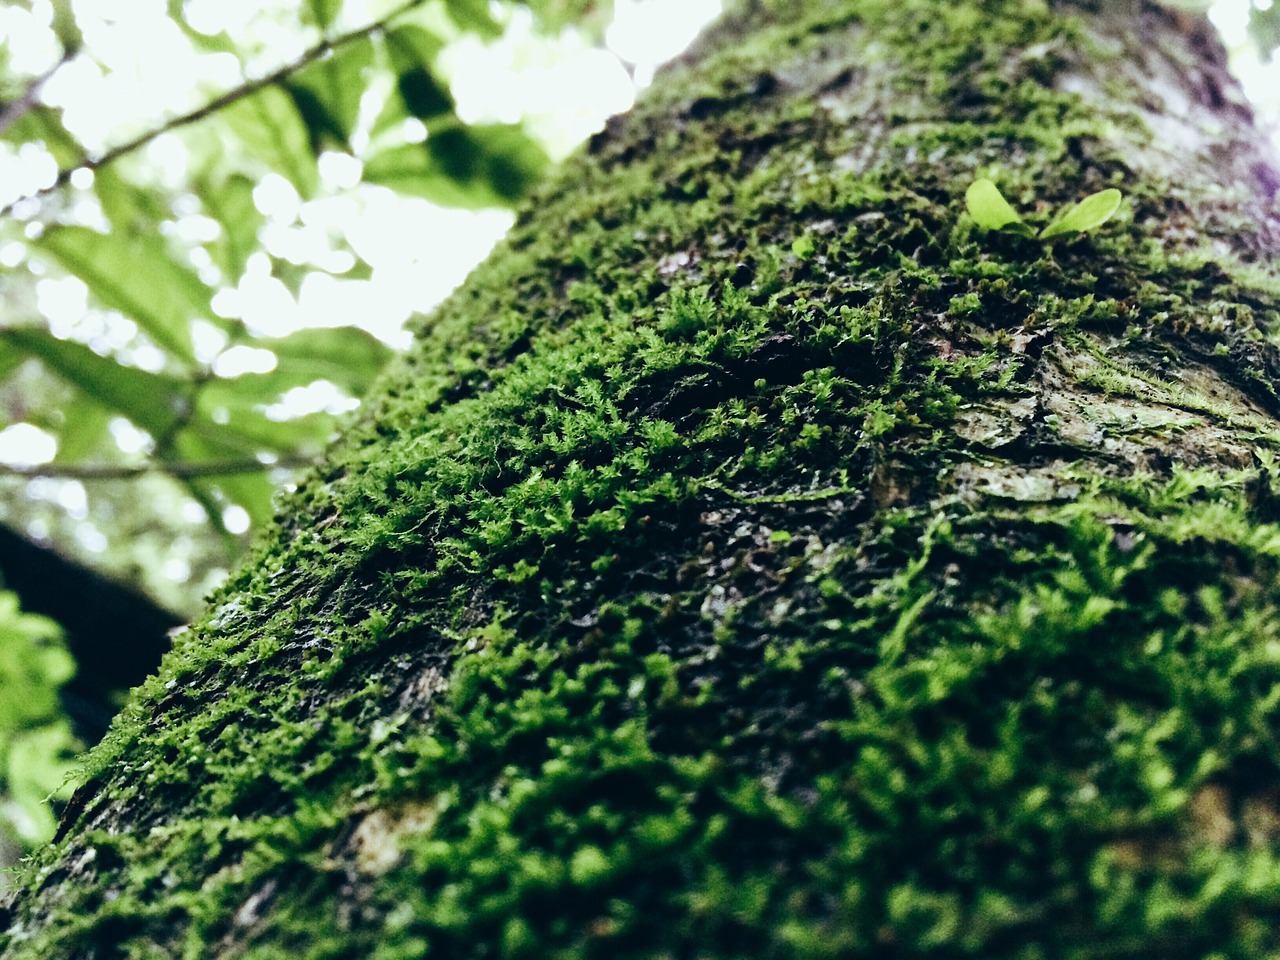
x: 991, y: 211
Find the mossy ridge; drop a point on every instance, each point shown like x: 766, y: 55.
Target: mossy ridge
x: 812, y: 717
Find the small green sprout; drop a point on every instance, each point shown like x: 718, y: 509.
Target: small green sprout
x: 991, y: 211
x: 1089, y: 214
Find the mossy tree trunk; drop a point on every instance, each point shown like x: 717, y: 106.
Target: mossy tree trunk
x: 756, y: 558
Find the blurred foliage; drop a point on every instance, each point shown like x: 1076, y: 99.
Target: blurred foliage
x: 1264, y: 27
x: 145, y: 390
x: 216, y: 436
x: 37, y: 747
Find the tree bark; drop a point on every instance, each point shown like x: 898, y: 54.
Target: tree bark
x: 757, y: 558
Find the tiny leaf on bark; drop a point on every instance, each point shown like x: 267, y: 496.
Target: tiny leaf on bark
x: 1089, y: 214
x: 990, y: 210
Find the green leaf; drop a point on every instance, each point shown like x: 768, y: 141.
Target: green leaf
x: 37, y: 747
x: 137, y: 277
x: 324, y: 12
x: 346, y: 356
x: 1264, y: 29
x: 412, y: 46
x: 206, y: 42
x: 131, y: 209
x: 32, y: 660
x: 412, y: 51
x: 327, y: 93
x: 230, y: 413
x: 65, y: 26
x: 1089, y: 214
x: 470, y: 167
x: 253, y: 491
x: 475, y: 16
x: 424, y: 96
x: 410, y: 170
x: 242, y: 426
x: 272, y: 130
x: 588, y: 16
x: 322, y: 127
x: 85, y: 430
x: 513, y: 162
x: 10, y: 358
x: 154, y: 402
x: 988, y: 207
x: 407, y: 48
x: 44, y: 125
x: 229, y: 200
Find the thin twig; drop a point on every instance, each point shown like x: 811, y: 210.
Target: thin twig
x: 246, y: 89
x: 15, y: 110
x: 178, y: 469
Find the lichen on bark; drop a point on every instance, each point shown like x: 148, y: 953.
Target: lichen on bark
x: 757, y: 558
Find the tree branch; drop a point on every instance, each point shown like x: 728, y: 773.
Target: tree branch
x: 178, y: 469
x: 246, y: 89
x: 15, y: 110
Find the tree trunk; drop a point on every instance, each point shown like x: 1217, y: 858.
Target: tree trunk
x: 758, y: 558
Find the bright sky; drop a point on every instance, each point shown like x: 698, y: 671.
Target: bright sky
x: 563, y: 89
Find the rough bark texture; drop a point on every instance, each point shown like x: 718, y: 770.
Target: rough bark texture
x: 756, y: 558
